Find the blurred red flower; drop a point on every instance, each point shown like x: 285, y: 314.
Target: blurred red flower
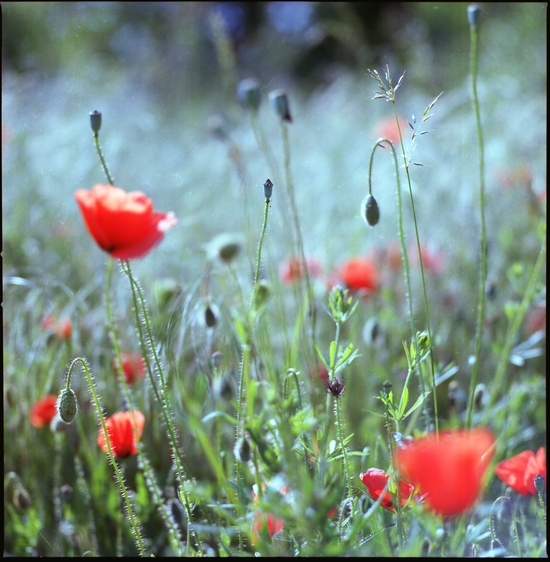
x: 359, y: 275
x: 122, y: 224
x: 133, y: 366
x: 519, y: 471
x: 121, y: 433
x: 447, y: 468
x: 291, y: 269
x: 375, y: 479
x: 259, y: 519
x: 61, y: 328
x: 387, y: 128
x: 432, y: 259
x: 43, y: 411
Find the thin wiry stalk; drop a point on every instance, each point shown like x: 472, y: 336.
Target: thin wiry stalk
x: 483, y: 235
x: 129, y: 509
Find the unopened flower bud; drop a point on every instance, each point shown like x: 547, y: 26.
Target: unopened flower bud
x: 261, y: 294
x: 248, y: 94
x: 481, y: 396
x: 370, y: 211
x: 279, y: 103
x: 225, y: 247
x: 95, y: 121
x: 242, y: 450
x: 387, y: 386
x: 67, y: 405
x: 21, y: 498
x: 223, y: 388
x: 268, y: 189
x: 474, y: 15
x: 211, y: 313
x: 539, y: 483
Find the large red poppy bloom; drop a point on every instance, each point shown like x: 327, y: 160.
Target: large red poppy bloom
x: 519, y: 472
x: 121, y: 223
x: 359, y: 275
x: 447, y: 468
x: 121, y: 433
x: 375, y: 479
x: 43, y: 411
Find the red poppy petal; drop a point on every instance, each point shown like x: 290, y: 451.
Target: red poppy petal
x: 512, y: 472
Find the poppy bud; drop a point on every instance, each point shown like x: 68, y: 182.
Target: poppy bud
x: 21, y: 498
x: 387, y: 386
x: 211, y: 315
x: 268, y: 189
x: 67, y: 405
x: 95, y: 121
x: 248, y: 94
x: 242, y: 450
x: 474, y: 16
x: 279, y: 103
x: 370, y: 211
x: 225, y: 247
x: 261, y: 294
x: 538, y: 480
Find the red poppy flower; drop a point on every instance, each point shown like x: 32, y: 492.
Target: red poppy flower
x: 43, y: 411
x: 432, y: 259
x: 121, y: 433
x: 375, y: 479
x: 133, y: 366
x: 291, y: 270
x: 447, y: 468
x: 387, y: 128
x: 61, y: 328
x: 359, y: 275
x: 519, y: 472
x: 123, y: 224
x: 259, y: 520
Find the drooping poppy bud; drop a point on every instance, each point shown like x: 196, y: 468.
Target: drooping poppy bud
x: 370, y: 211
x: 67, y: 405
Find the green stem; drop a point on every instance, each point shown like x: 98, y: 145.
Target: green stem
x: 103, y: 163
x: 426, y: 306
x: 483, y: 239
x: 129, y: 507
x: 148, y: 347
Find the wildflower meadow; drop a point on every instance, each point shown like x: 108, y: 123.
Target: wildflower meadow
x: 255, y: 304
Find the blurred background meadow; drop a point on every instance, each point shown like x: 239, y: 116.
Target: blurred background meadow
x: 164, y: 75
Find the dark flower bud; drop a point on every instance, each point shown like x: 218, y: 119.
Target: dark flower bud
x: 387, y: 386
x: 66, y: 493
x: 268, y: 189
x: 95, y: 121
x: 225, y: 247
x: 223, y: 388
x: 21, y: 498
x: 279, y: 103
x: 539, y: 483
x: 67, y: 405
x: 211, y: 314
x: 242, y: 450
x: 248, y: 94
x: 370, y: 211
x: 474, y: 16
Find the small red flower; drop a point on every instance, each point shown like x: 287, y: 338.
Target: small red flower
x: 121, y: 433
x: 375, y: 479
x: 259, y: 520
x: 387, y: 128
x: 519, y: 472
x: 43, y: 411
x: 432, y: 259
x: 359, y: 275
x: 133, y: 366
x: 291, y: 270
x: 447, y: 468
x: 61, y: 328
x: 122, y: 224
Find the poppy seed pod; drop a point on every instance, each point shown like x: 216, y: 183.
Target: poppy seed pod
x: 248, y: 94
x: 95, y: 121
x: 279, y: 103
x: 67, y: 405
x: 268, y: 189
x: 474, y: 16
x: 371, y: 212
